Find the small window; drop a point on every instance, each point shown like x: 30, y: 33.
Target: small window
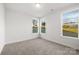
x: 43, y: 27
x: 35, y: 26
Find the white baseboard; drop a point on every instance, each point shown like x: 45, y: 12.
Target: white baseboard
x: 63, y: 44
x: 19, y: 40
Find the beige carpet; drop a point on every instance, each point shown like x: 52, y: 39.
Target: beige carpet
x: 37, y: 47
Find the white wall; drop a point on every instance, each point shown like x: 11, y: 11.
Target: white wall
x: 54, y: 29
x: 18, y: 27
x: 2, y: 26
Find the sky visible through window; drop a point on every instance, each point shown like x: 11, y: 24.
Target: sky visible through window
x: 71, y: 16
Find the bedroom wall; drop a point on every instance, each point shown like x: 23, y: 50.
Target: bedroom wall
x: 2, y: 26
x: 18, y: 26
x: 53, y: 32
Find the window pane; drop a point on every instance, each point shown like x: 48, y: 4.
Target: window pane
x: 35, y: 27
x: 70, y: 23
x: 43, y: 27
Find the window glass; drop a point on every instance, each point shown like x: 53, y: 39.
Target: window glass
x: 70, y: 23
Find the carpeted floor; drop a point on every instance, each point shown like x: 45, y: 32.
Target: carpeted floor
x: 37, y: 47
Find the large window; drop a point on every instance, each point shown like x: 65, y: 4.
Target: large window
x: 70, y: 23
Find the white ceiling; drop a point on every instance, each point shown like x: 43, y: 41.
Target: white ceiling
x: 31, y: 9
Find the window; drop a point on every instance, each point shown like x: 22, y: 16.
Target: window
x: 70, y: 23
x: 43, y: 27
x: 35, y: 26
